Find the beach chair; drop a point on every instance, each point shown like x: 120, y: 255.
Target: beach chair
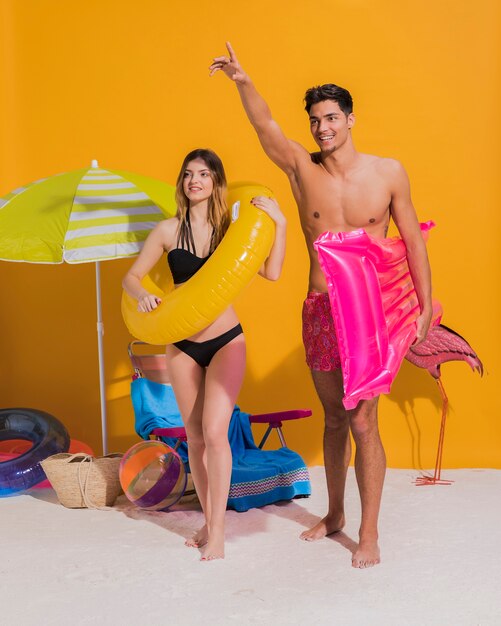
x: 259, y: 476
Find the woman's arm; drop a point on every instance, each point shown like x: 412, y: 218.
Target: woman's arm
x: 160, y: 239
x: 272, y: 267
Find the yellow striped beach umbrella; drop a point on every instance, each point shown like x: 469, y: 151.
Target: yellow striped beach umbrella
x: 88, y: 215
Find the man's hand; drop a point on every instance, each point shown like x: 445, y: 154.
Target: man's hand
x: 229, y: 65
x: 422, y: 326
x: 276, y: 145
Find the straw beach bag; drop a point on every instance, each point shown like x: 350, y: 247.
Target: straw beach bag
x: 83, y: 481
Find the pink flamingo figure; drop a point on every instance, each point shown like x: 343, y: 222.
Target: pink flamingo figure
x: 441, y: 345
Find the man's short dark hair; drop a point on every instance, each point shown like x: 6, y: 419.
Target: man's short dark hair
x: 314, y: 95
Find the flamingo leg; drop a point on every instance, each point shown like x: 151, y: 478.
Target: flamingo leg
x: 436, y: 480
x: 438, y: 464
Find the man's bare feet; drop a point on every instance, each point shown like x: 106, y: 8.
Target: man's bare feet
x: 214, y: 548
x: 327, y: 526
x: 199, y: 539
x: 366, y: 555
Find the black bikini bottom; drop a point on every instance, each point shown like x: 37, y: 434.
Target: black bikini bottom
x: 203, y: 351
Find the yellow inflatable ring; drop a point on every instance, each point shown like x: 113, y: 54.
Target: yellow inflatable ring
x: 194, y: 305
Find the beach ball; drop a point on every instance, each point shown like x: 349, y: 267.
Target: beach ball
x: 152, y: 475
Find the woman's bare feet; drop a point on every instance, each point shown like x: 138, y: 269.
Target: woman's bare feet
x: 199, y: 539
x: 215, y: 547
x: 366, y: 555
x: 327, y: 526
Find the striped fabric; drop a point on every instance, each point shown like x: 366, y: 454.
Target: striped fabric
x: 111, y: 218
x: 268, y: 477
x: 91, y: 214
x: 255, y: 487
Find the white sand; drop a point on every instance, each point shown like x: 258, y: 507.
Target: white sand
x: 440, y: 549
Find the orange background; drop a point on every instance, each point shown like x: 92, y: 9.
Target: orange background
x: 126, y: 83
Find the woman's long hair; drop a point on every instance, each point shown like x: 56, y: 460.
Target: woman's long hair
x: 218, y: 214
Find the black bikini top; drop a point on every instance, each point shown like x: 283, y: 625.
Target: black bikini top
x: 182, y: 261
x: 183, y: 264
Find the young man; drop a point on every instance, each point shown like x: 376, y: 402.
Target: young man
x: 339, y: 189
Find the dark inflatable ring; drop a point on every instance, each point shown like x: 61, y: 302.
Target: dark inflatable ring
x: 46, y: 433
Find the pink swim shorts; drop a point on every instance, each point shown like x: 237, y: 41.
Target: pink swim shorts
x: 319, y: 335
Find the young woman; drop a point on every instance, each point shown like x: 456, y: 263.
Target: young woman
x: 207, y: 369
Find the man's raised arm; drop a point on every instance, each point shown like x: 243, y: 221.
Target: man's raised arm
x: 276, y: 145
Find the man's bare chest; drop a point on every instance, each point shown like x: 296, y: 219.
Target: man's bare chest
x: 333, y: 202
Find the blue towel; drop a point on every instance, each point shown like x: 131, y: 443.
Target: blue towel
x: 155, y: 406
x: 258, y: 477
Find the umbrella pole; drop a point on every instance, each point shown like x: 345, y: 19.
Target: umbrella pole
x: 100, y: 351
